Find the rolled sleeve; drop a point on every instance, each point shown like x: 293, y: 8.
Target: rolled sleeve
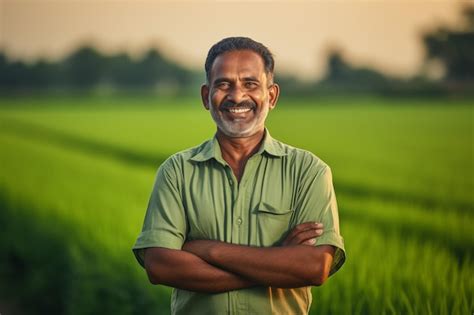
x: 336, y: 240
x: 317, y: 202
x: 165, y: 221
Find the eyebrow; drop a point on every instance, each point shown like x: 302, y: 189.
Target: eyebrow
x: 251, y: 78
x: 220, y: 80
x: 223, y: 79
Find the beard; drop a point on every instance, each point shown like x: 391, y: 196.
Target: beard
x: 239, y: 127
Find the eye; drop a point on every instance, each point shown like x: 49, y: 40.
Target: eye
x: 251, y: 84
x: 223, y: 85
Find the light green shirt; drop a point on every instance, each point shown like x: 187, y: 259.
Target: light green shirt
x: 196, y: 196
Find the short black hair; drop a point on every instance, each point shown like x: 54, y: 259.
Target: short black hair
x: 239, y: 43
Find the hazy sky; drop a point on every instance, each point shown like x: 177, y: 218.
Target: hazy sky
x: 384, y: 34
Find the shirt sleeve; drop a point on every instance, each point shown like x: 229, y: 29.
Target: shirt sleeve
x: 316, y: 202
x: 165, y: 221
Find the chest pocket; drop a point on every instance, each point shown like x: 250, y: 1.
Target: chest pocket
x: 272, y: 224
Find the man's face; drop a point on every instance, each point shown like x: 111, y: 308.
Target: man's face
x: 239, y: 94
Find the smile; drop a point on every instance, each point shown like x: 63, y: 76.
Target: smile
x: 237, y: 110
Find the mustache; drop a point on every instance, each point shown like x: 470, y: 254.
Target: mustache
x: 244, y: 104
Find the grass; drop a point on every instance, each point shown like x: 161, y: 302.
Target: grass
x: 370, y: 142
x: 71, y: 225
x: 75, y: 182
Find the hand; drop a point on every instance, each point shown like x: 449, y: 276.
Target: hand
x: 304, y: 234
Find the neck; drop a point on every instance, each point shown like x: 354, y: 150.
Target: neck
x: 236, y: 151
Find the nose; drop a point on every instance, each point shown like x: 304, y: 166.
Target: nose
x: 236, y: 94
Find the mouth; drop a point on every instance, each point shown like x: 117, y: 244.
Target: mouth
x: 238, y: 110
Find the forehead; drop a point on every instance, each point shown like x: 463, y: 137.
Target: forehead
x: 239, y: 62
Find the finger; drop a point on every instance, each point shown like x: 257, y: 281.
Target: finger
x: 310, y: 242
x: 302, y: 237
x: 302, y: 228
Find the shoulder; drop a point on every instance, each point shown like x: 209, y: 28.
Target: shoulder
x: 303, y: 160
x: 179, y: 160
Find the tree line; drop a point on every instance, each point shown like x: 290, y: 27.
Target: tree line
x: 87, y: 68
x: 452, y: 50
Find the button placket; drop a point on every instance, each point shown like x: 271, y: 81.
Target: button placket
x: 236, y: 216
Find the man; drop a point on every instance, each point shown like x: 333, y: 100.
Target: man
x: 235, y: 224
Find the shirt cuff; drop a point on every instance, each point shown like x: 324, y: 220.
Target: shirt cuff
x: 335, y: 239
x: 155, y: 238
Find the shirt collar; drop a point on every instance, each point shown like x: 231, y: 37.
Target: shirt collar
x: 211, y: 149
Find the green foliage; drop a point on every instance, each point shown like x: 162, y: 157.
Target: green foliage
x: 71, y: 224
x: 75, y: 183
x: 87, y: 69
x: 454, y: 48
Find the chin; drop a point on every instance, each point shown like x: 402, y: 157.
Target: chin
x: 238, y: 132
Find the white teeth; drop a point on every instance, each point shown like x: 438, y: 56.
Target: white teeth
x: 239, y: 110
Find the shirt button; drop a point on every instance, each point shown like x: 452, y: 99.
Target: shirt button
x: 239, y: 221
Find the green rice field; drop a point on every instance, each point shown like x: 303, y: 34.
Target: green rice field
x: 76, y: 174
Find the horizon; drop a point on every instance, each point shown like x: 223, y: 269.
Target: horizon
x: 365, y: 32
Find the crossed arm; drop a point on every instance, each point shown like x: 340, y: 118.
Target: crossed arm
x: 214, y: 266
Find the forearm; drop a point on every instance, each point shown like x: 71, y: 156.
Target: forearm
x: 184, y: 270
x: 284, y: 267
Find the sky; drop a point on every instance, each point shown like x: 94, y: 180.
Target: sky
x: 384, y: 34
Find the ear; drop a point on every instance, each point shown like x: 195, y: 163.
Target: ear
x: 205, y: 95
x: 273, y: 93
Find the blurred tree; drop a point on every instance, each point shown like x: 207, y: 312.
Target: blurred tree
x: 44, y: 74
x: 155, y: 71
x: 12, y: 74
x: 454, y: 49
x: 120, y: 70
x: 150, y: 72
x: 342, y: 75
x: 85, y: 67
x: 153, y: 68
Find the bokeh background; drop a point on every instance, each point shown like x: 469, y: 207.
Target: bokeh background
x: 94, y: 95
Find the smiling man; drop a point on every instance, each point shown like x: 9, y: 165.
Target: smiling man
x: 243, y: 223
